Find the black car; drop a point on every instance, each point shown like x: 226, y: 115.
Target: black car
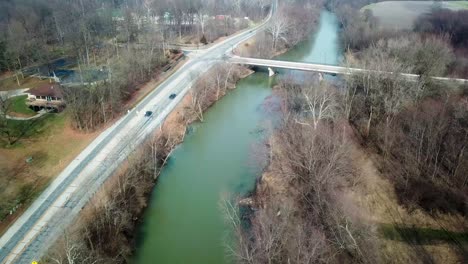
x: 172, y: 96
x: 148, y: 113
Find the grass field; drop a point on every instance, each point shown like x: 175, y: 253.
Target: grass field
x: 19, y: 107
x: 27, y: 167
x: 402, y: 14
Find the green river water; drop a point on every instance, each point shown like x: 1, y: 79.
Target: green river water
x: 183, y: 223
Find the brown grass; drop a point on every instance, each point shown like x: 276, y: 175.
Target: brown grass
x: 376, y: 195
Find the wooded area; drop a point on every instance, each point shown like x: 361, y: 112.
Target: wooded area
x: 34, y: 31
x: 127, y: 40
x: 311, y: 203
x: 300, y: 212
x: 293, y: 21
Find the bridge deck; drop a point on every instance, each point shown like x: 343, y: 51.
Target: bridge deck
x: 322, y: 68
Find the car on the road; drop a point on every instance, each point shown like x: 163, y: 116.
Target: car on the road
x: 148, y: 113
x: 172, y: 96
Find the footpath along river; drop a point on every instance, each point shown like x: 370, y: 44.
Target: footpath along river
x: 184, y: 223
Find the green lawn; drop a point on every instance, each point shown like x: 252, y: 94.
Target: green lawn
x: 18, y: 105
x: 34, y: 128
x: 21, y: 181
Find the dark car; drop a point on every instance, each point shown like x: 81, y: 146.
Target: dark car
x: 172, y: 96
x: 148, y: 113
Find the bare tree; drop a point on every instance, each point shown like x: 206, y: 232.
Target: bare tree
x: 202, y: 17
x: 278, y: 29
x: 321, y: 103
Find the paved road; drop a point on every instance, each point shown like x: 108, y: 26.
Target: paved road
x: 29, y: 237
x: 323, y: 68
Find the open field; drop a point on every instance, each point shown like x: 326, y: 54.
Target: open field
x: 402, y: 14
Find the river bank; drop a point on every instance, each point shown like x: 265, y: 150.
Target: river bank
x: 336, y: 192
x: 106, y: 228
x: 303, y: 210
x: 184, y: 222
x: 123, y: 232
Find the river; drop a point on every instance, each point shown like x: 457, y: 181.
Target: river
x: 184, y: 223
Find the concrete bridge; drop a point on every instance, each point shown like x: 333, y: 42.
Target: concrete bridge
x: 321, y: 68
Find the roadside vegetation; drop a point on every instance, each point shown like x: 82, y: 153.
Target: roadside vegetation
x: 128, y: 43
x: 210, y: 88
x: 105, y: 230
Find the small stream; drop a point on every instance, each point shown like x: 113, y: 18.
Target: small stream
x: 184, y: 223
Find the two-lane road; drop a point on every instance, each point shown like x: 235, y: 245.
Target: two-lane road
x: 30, y: 236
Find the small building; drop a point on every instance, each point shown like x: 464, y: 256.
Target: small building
x: 48, y: 97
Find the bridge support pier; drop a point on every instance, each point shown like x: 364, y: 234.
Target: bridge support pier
x: 270, y: 72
